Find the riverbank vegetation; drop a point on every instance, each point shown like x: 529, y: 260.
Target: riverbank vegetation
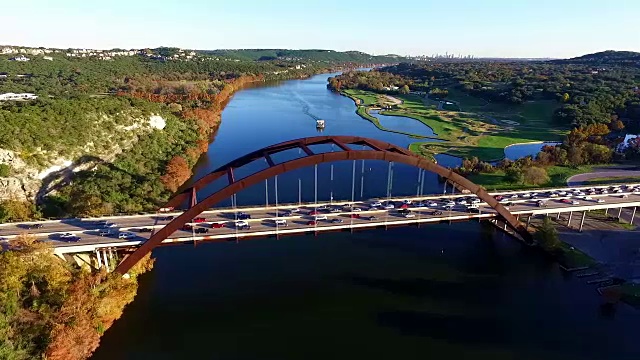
x: 51, y: 309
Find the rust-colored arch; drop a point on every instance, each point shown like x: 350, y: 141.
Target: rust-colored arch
x: 380, y: 151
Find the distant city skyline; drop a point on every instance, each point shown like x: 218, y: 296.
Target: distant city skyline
x: 490, y: 28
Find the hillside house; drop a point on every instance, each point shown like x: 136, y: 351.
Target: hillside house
x: 21, y: 96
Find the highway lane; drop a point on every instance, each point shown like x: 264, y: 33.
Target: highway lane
x: 88, y: 229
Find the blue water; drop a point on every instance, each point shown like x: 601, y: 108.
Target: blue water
x: 516, y: 152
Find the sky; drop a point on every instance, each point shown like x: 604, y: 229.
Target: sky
x: 483, y: 28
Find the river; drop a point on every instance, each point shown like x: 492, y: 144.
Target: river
x: 441, y: 291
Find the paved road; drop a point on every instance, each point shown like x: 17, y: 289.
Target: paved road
x: 579, y: 179
x: 263, y: 219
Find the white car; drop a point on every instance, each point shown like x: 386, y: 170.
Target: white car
x: 579, y: 193
x: 294, y: 210
x: 449, y: 204
x: 575, y: 202
x: 526, y: 195
x: 389, y: 206
x: 408, y: 202
x: 410, y: 215
x: 356, y: 210
x: 514, y: 196
x: 320, y: 217
x: 562, y: 193
x: 588, y: 198
x: 553, y: 195
x: 126, y: 235
x: 66, y: 236
x: 636, y: 191
x: 462, y: 202
x: 280, y: 222
x: 600, y: 201
x: 475, y: 201
x: 242, y: 224
x: 432, y: 203
x: 604, y: 192
x: 376, y: 204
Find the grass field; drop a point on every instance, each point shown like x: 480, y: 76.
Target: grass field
x: 558, y: 177
x: 478, y: 130
x: 631, y: 294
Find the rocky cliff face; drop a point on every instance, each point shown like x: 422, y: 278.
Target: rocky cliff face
x: 23, y: 183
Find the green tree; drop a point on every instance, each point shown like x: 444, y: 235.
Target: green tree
x: 547, y: 236
x: 404, y: 89
x: 536, y: 175
x: 513, y: 175
x: 565, y: 97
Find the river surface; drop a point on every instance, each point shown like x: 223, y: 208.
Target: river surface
x: 457, y: 291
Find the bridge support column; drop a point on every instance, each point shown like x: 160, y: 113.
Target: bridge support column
x: 99, y: 259
x: 528, y: 221
x: 619, y: 212
x: 584, y: 215
x: 569, y: 222
x: 106, y: 261
x: 633, y: 215
x: 606, y: 212
x: 194, y: 199
x: 558, y: 216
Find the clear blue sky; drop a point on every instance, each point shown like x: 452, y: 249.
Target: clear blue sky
x: 504, y: 28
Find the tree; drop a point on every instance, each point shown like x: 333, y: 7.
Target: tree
x: 616, y: 125
x: 513, y: 175
x: 547, y: 236
x: 536, y: 175
x: 565, y: 97
x: 176, y: 173
x: 5, y: 170
x: 404, y: 90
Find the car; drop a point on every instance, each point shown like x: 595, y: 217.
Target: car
x: 535, y: 194
x: 320, y: 217
x: 322, y: 207
x: 473, y: 206
x: 187, y: 227
x: 449, y: 204
x: 542, y: 203
x: 104, y: 232
x: 404, y: 211
x: 410, y: 215
x: 280, y: 222
x: 579, y: 193
x: 404, y: 206
x: 199, y: 220
x: 511, y: 203
x: 448, y: 207
x: 473, y: 210
x: 562, y: 193
x: 462, y: 202
x: 370, y: 217
x: 34, y: 226
x: 312, y: 222
x: 566, y: 201
x: 432, y: 204
x: 335, y: 210
x: 145, y: 230
x: 355, y: 216
x: 514, y: 196
x: 419, y: 204
x: 372, y: 209
x: 636, y: 191
x: 575, y: 202
x: 241, y: 224
x: 243, y: 216
x: 294, y: 210
x: 126, y: 235
x: 107, y: 224
x: 287, y: 213
x: 553, y: 195
x: 475, y: 201
x: 201, y: 230
x: 389, y: 206
x: 604, y: 192
x: 588, y: 198
x: 617, y: 191
x: 66, y: 236
x: 600, y: 201
x: 437, y: 213
x: 356, y: 209
x: 218, y: 225
x: 498, y: 197
x: 166, y: 218
x: 408, y: 202
x: 313, y: 212
x: 624, y: 196
x: 375, y: 204
x: 526, y: 195
x: 336, y: 221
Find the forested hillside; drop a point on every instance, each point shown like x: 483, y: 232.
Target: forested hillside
x: 328, y: 56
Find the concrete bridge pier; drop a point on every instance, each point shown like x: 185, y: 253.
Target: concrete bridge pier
x: 569, y: 221
x: 584, y: 214
x: 633, y: 215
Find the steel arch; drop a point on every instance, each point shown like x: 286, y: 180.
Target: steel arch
x: 379, y: 151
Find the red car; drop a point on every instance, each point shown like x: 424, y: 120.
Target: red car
x: 199, y: 220
x: 498, y: 197
x: 187, y: 227
x: 313, y: 212
x: 217, y: 225
x: 311, y: 222
x: 404, y: 206
x: 355, y: 216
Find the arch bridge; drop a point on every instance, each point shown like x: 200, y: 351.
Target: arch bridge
x: 350, y: 148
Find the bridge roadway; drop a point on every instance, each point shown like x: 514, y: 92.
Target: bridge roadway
x: 262, y: 219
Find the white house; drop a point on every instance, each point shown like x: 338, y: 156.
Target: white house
x: 20, y: 58
x: 48, y: 58
x: 625, y: 143
x: 22, y: 96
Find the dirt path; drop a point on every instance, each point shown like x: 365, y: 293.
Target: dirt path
x: 394, y: 100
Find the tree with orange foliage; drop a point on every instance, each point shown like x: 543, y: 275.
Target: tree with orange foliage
x: 176, y: 173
